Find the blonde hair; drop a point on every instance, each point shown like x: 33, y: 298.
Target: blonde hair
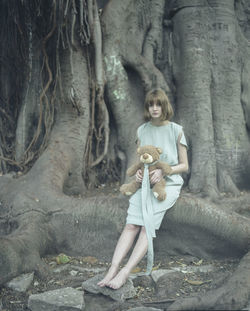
x: 159, y: 96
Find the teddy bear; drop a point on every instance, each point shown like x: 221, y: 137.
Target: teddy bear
x: 148, y: 155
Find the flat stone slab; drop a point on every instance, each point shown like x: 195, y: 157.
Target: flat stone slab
x: 125, y: 292
x: 156, y: 274
x: 66, y: 299
x: 21, y: 283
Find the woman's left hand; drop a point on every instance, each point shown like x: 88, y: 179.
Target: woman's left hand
x: 155, y: 176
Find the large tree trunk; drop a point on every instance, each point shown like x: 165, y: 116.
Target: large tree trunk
x: 207, y: 68
x: 130, y: 64
x: 198, y: 53
x: 40, y: 192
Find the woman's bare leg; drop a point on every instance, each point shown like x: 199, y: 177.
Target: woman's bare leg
x: 138, y: 253
x: 123, y: 246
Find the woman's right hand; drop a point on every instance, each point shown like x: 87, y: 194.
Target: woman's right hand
x: 139, y: 176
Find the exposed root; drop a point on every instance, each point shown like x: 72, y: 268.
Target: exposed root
x: 46, y: 116
x: 225, y: 182
x: 99, y: 128
x: 234, y: 295
x: 48, y: 113
x: 19, y: 253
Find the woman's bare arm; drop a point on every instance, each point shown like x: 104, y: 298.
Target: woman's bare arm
x: 182, y: 166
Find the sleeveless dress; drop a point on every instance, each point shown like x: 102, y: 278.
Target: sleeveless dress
x: 144, y: 209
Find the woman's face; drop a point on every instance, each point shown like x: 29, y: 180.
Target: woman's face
x: 155, y: 110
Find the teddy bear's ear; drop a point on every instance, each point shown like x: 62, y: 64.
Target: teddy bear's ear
x: 159, y: 150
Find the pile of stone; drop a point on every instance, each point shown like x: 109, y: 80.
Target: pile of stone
x: 70, y: 299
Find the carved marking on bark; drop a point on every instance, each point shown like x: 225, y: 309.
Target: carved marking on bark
x: 116, y: 71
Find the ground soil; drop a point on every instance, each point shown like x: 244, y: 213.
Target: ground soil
x: 191, y: 283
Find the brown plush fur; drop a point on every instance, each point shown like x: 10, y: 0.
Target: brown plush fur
x: 148, y: 154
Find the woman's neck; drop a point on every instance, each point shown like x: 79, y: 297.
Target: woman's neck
x: 158, y: 122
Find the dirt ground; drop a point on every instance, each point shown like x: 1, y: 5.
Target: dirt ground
x: 188, y: 283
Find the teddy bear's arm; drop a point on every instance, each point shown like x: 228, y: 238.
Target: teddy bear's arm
x: 166, y: 168
x: 133, y: 169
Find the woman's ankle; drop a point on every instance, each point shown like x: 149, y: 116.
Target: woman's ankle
x: 126, y: 270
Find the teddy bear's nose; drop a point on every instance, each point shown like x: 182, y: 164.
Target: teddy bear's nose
x: 145, y: 156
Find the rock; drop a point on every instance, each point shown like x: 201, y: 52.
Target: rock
x: 195, y: 269
x: 168, y: 284
x: 144, y: 309
x: 156, y: 274
x: 73, y: 273
x: 61, y: 268
x: 36, y: 283
x: 143, y: 281
x: 21, y: 283
x: 66, y: 299
x: 125, y: 292
x: 100, y: 303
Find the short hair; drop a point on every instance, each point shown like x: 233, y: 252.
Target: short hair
x: 158, y: 95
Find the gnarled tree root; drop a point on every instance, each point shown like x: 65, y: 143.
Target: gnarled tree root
x: 21, y: 251
x: 234, y: 295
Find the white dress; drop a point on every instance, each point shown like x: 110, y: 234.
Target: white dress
x: 144, y: 209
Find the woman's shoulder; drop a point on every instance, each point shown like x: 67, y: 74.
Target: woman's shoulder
x: 176, y: 127
x: 142, y: 129
x: 142, y: 126
x: 177, y: 130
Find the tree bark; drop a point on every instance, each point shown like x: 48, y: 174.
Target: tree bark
x: 127, y: 58
x: 30, y: 101
x: 207, y: 69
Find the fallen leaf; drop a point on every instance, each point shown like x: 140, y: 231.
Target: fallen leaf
x: 181, y: 264
x: 62, y: 259
x: 195, y: 282
x: 156, y: 267
x: 89, y: 259
x: 136, y: 270
x: 59, y: 283
x: 198, y: 263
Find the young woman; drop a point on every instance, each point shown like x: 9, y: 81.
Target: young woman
x: 158, y: 131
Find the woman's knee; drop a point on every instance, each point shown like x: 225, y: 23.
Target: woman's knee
x: 132, y: 227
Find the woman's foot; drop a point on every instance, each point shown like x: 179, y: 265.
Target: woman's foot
x: 120, y: 279
x: 109, y: 276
